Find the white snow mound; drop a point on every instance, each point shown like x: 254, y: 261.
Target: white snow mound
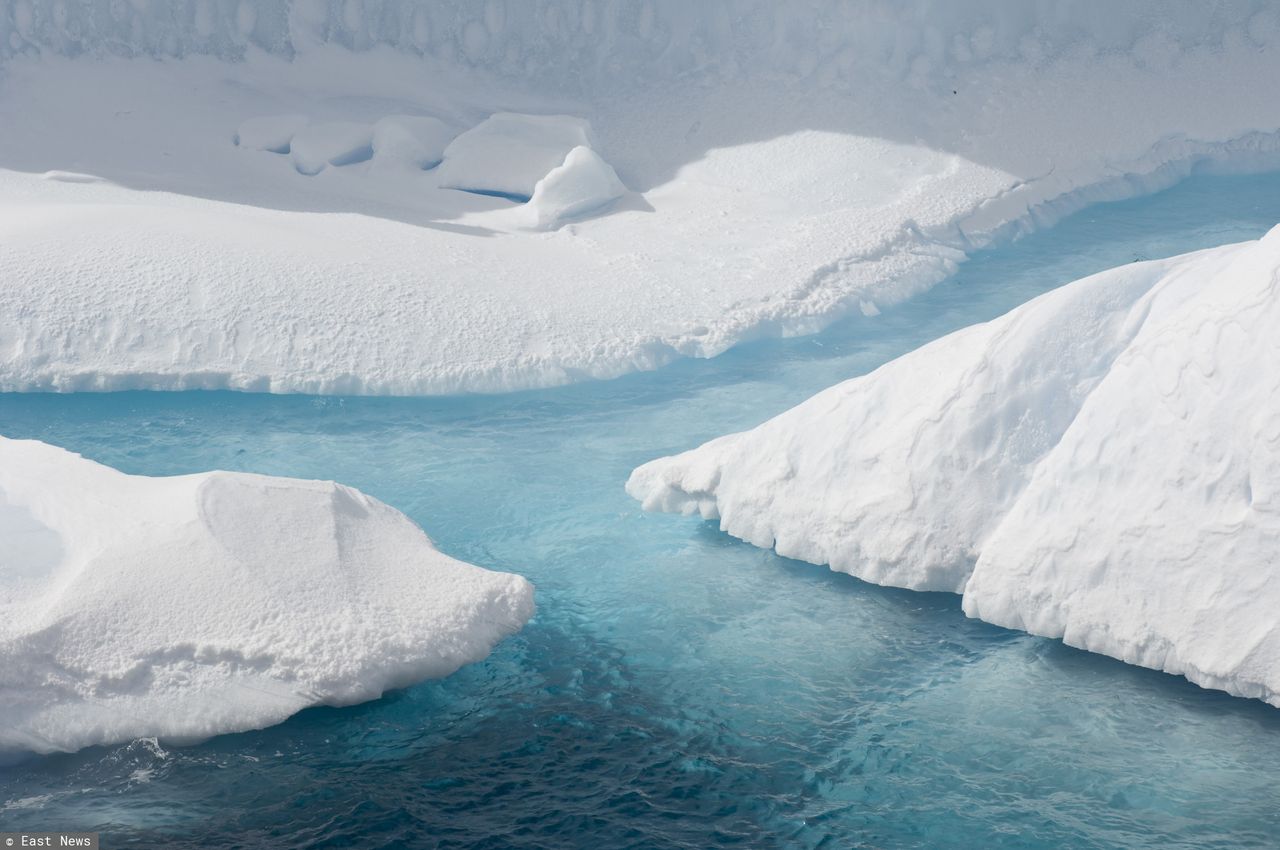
x: 317, y: 146
x: 272, y: 133
x: 508, y: 153
x: 1101, y: 464
x: 413, y: 141
x: 584, y: 183
x: 196, y: 605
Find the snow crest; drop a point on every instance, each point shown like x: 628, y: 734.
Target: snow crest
x: 1101, y: 464
x: 197, y: 605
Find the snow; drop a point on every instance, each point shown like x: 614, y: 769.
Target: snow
x: 412, y: 141
x: 1101, y: 464
x: 272, y: 133
x: 584, y: 183
x: 314, y: 147
x: 196, y: 605
x: 507, y: 153
x: 788, y: 163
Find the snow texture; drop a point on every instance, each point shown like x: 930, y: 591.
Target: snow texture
x: 788, y: 163
x: 1101, y: 464
x: 196, y: 605
x: 507, y: 154
x: 584, y: 183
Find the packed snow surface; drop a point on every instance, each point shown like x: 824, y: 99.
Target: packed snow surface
x: 787, y: 163
x: 1101, y: 464
x: 190, y: 606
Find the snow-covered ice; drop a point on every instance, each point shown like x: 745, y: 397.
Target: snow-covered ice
x: 787, y: 163
x: 195, y: 605
x: 507, y: 153
x: 583, y: 183
x: 1101, y: 464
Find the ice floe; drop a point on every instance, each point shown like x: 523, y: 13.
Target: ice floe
x: 1101, y: 464
x: 195, y: 605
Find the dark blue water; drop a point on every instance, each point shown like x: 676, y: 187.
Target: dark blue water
x: 678, y: 688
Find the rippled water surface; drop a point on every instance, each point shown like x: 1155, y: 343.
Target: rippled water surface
x: 678, y: 688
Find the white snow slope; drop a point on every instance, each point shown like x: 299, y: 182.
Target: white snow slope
x: 190, y: 606
x: 785, y: 163
x: 1101, y: 464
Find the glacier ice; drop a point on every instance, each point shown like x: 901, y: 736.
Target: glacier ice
x: 195, y: 605
x: 1101, y: 464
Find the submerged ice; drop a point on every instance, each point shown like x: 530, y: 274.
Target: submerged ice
x: 1101, y: 464
x: 196, y: 605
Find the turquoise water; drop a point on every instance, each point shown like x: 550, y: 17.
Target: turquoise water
x: 678, y: 688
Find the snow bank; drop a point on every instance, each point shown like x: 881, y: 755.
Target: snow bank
x: 414, y: 141
x: 1101, y: 464
x: 583, y: 183
x: 196, y: 605
x: 508, y: 153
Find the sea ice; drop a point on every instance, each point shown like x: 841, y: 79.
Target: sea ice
x: 195, y: 605
x: 1101, y: 464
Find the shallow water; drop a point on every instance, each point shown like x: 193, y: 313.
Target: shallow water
x: 678, y: 688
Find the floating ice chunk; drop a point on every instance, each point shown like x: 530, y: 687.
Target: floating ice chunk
x: 195, y: 605
x: 316, y: 146
x: 1101, y: 464
x: 272, y: 133
x: 1151, y: 531
x: 582, y: 184
x: 508, y: 153
x: 414, y: 141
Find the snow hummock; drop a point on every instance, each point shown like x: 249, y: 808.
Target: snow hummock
x: 272, y: 133
x: 1101, y: 464
x: 583, y: 183
x: 415, y: 141
x: 314, y: 147
x: 508, y: 153
x: 196, y: 605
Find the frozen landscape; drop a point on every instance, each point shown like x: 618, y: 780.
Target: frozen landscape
x: 969, y: 297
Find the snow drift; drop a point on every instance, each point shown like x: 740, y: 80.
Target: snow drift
x: 196, y: 605
x: 1101, y: 464
x: 787, y: 163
